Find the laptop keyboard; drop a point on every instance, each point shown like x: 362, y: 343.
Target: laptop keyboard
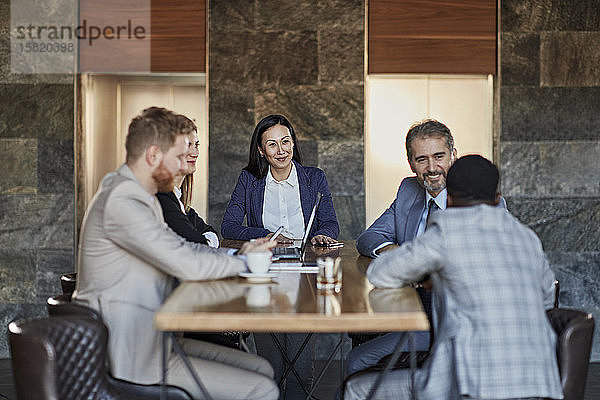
x: 280, y: 251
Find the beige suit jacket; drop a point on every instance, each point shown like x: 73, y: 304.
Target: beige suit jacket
x: 126, y: 260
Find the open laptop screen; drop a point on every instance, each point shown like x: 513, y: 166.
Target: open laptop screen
x: 311, y: 222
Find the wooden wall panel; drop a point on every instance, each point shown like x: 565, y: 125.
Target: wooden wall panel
x: 432, y: 56
x: 177, y: 38
x: 122, y: 53
x: 178, y: 35
x: 432, y: 36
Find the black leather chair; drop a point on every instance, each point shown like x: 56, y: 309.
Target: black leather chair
x: 233, y: 339
x: 61, y: 306
x: 60, y: 359
x: 575, y: 330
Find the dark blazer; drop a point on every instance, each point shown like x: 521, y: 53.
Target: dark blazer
x: 191, y: 227
x: 400, y: 222
x: 248, y: 197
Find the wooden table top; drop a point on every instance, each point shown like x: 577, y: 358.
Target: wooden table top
x: 292, y: 303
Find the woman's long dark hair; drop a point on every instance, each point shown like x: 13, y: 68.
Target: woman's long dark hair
x: 257, y: 165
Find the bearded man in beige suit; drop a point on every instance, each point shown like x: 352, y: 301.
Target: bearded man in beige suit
x: 128, y: 257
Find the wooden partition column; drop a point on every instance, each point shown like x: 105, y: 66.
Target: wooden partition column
x: 432, y: 36
x: 178, y: 36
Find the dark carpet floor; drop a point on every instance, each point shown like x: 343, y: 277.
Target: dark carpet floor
x: 325, y: 391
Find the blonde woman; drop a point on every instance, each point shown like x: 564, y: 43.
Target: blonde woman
x: 178, y: 213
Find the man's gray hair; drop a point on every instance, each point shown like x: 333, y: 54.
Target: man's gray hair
x: 425, y: 129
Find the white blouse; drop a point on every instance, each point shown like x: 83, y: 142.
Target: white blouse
x: 282, y: 207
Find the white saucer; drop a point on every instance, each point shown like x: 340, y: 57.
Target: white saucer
x: 257, y: 278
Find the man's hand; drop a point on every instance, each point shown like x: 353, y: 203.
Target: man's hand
x: 387, y: 248
x: 322, y: 240
x: 262, y: 244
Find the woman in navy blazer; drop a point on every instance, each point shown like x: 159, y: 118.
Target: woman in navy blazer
x: 279, y: 156
x: 274, y: 155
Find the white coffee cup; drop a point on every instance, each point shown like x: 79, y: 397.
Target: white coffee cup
x: 258, y: 261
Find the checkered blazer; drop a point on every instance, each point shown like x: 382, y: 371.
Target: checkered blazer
x: 492, y: 284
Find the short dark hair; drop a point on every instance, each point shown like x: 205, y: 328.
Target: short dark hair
x: 155, y: 126
x: 425, y: 129
x: 473, y: 178
x: 257, y: 165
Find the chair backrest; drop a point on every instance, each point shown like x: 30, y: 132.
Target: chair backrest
x: 575, y: 330
x: 60, y: 358
x: 68, y: 283
x: 61, y: 305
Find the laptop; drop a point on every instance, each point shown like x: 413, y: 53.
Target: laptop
x: 295, y: 252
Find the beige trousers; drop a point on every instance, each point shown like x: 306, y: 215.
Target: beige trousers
x: 227, y: 373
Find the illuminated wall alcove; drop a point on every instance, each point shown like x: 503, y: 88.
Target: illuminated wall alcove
x: 464, y: 103
x: 109, y: 102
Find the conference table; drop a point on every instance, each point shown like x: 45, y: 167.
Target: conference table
x: 290, y: 302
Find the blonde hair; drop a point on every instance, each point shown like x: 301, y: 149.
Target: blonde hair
x: 186, y: 191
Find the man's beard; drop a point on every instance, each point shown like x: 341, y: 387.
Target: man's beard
x: 164, y: 179
x: 437, y: 187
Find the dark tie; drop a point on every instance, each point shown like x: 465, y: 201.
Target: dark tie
x: 425, y: 296
x: 432, y: 208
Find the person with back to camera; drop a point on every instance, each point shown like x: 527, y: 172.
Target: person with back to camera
x: 492, y: 284
x: 274, y: 190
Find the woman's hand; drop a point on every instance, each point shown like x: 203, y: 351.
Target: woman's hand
x: 262, y: 244
x: 322, y: 240
x: 281, y: 239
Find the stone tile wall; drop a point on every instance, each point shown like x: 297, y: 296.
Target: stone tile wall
x: 550, y: 137
x: 301, y: 59
x: 36, y: 186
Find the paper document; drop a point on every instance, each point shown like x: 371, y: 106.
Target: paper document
x: 294, y: 267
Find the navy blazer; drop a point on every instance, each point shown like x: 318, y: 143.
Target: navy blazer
x: 248, y: 197
x: 400, y: 222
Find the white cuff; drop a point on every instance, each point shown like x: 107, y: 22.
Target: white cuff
x: 381, y: 246
x: 212, y: 239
